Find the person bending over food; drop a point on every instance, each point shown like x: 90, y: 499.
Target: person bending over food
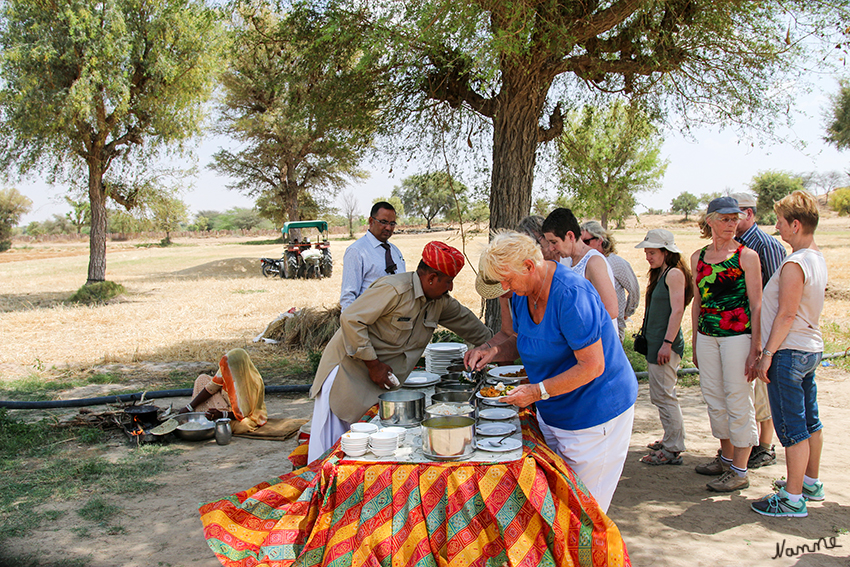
x: 580, y: 379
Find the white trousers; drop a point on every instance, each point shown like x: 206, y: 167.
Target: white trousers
x: 325, y: 427
x: 596, y: 454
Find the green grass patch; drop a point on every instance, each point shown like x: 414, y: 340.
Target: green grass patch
x: 263, y: 242
x: 35, y: 387
x: 96, y: 293
x: 248, y: 291
x: 38, y: 467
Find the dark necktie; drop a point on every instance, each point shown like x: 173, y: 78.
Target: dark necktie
x: 391, y: 267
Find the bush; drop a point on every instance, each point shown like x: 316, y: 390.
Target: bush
x: 96, y: 293
x: 840, y: 201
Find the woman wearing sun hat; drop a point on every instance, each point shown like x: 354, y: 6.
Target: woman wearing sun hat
x: 726, y: 317
x: 668, y: 293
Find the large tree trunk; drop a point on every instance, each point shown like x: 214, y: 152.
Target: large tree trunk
x: 97, y: 237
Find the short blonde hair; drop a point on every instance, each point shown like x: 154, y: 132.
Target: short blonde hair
x: 801, y: 206
x: 505, y: 254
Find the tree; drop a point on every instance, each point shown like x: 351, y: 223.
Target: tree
x: 606, y: 156
x: 300, y: 99
x: 166, y: 213
x: 685, y: 203
x: 706, y: 198
x: 13, y: 205
x: 429, y: 194
x: 838, y: 125
x: 87, y: 83
x: 349, y: 210
x: 80, y: 214
x: 827, y: 181
x: 840, y: 201
x: 769, y: 187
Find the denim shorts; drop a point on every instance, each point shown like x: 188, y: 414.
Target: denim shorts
x: 794, y: 395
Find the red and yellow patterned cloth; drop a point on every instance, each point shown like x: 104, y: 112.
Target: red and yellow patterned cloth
x: 529, y: 512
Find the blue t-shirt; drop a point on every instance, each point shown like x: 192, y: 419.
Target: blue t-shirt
x: 575, y: 318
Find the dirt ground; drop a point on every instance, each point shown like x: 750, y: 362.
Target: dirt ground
x: 665, y: 514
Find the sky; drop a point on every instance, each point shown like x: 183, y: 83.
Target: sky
x: 706, y: 161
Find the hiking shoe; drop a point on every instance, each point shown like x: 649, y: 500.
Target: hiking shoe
x: 714, y: 467
x: 761, y: 457
x: 728, y: 482
x: 780, y: 506
x: 810, y: 492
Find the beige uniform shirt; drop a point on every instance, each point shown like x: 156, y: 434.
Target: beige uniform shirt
x: 392, y: 321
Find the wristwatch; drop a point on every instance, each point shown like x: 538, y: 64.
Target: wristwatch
x: 544, y: 395
x: 766, y: 353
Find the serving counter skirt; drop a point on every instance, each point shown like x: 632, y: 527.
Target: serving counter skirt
x: 528, y: 512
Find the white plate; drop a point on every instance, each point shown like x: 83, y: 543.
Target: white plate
x: 420, y: 379
x: 481, y: 396
x: 442, y: 347
x: 497, y: 413
x: 502, y: 370
x: 493, y: 445
x: 494, y: 429
x: 361, y: 427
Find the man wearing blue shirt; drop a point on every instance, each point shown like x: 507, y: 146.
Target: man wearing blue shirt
x: 371, y: 256
x: 771, y: 254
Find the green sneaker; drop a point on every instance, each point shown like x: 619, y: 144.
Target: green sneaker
x: 813, y: 492
x: 779, y: 506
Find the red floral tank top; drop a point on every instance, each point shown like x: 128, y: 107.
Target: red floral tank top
x: 724, y: 305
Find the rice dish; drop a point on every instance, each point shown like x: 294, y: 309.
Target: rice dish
x: 195, y: 426
x: 447, y: 409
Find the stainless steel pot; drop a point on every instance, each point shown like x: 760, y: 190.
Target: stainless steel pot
x: 401, y: 407
x: 452, y: 397
x: 454, y: 387
x: 453, y: 377
x: 448, y: 436
x: 454, y: 409
x: 205, y: 428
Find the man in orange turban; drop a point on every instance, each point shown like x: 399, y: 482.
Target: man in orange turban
x: 381, y: 338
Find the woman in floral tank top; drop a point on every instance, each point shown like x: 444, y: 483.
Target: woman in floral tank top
x: 726, y: 316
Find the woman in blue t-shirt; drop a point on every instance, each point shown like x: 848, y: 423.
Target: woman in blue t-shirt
x: 580, y: 379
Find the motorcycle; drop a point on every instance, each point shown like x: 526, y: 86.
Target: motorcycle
x: 273, y: 268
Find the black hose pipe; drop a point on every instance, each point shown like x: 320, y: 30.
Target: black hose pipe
x: 119, y: 398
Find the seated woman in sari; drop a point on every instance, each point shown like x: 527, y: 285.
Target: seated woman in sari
x: 236, y: 391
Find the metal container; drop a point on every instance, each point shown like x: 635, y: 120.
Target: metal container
x: 456, y: 368
x: 452, y: 397
x: 223, y: 433
x: 455, y: 387
x: 448, y: 436
x: 401, y: 407
x: 206, y: 431
x: 455, y: 406
x: 454, y: 377
x: 492, y: 381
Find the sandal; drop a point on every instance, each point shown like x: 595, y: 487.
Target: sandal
x: 662, y: 457
x: 657, y: 446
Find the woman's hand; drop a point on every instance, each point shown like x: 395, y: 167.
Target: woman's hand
x: 523, y: 395
x: 479, y: 357
x: 761, y: 368
x: 214, y: 414
x: 664, y: 353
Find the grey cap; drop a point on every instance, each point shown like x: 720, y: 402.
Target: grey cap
x: 747, y: 200
x: 724, y: 206
x: 659, y: 238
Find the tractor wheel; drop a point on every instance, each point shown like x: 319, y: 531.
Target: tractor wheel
x: 327, y: 264
x: 291, y: 265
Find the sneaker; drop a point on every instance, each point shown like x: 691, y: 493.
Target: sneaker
x: 728, y: 482
x: 714, y: 467
x: 813, y: 492
x: 780, y: 506
x: 761, y: 457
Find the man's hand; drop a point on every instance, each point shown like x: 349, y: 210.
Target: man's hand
x: 379, y: 373
x: 479, y: 357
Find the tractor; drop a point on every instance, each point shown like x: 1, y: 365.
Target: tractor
x: 304, y: 259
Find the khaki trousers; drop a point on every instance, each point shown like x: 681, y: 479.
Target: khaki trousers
x: 662, y: 394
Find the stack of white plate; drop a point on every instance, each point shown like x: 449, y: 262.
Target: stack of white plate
x: 439, y: 356
x: 354, y: 443
x: 363, y: 427
x: 383, y: 443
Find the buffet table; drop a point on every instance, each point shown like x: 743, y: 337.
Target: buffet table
x: 528, y: 511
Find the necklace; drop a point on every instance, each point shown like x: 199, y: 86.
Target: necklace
x: 542, y: 286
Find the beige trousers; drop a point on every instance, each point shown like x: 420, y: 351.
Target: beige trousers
x: 662, y: 394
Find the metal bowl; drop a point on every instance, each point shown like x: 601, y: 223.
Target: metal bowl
x: 207, y: 432
x: 454, y: 408
x: 447, y: 436
x: 401, y: 407
x: 452, y: 397
x: 454, y: 377
x: 454, y: 387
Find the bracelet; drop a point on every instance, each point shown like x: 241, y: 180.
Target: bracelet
x: 668, y: 341
x: 189, y: 407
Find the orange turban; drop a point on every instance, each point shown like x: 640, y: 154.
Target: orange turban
x: 443, y: 257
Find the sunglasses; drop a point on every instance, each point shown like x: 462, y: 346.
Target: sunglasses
x: 589, y: 240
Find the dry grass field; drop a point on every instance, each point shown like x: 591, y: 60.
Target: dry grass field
x: 193, y: 301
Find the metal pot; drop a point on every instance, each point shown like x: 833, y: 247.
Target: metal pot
x: 453, y: 377
x: 429, y: 411
x: 401, y: 407
x: 145, y: 414
x: 205, y: 432
x: 447, y: 436
x: 452, y: 397
x: 456, y: 368
x: 454, y: 387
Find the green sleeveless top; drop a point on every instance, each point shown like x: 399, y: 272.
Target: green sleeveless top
x: 657, y: 316
x: 724, y: 305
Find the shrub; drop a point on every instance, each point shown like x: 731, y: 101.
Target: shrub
x: 99, y: 292
x: 840, y: 201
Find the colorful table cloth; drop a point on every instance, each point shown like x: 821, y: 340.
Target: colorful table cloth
x: 529, y: 512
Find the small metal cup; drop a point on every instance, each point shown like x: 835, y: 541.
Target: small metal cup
x: 223, y: 432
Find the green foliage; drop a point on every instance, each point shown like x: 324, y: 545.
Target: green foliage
x: 839, y: 200
x: 838, y: 126
x: 606, y: 156
x: 769, y: 187
x: 706, y: 198
x: 97, y: 293
x: 685, y: 203
x: 299, y: 94
x: 13, y: 205
x: 430, y: 195
x: 442, y: 335
x: 167, y: 213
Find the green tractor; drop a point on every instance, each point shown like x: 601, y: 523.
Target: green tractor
x: 305, y: 259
